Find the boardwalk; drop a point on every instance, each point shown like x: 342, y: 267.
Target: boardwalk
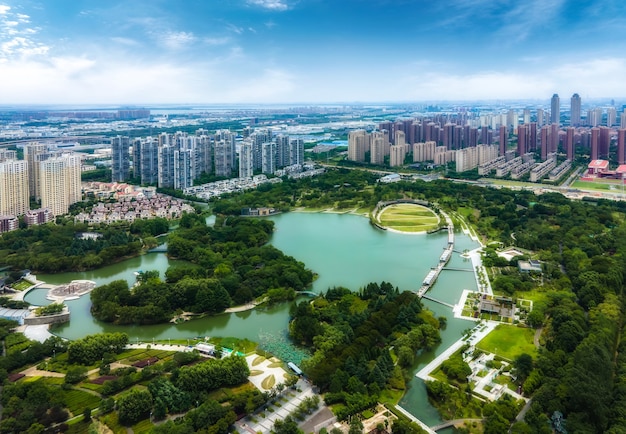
x: 455, y: 422
x: 428, y: 297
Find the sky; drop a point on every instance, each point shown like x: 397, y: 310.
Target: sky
x: 309, y: 51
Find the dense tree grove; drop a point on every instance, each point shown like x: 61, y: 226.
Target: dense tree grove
x: 352, y: 334
x: 93, y: 347
x: 212, y: 374
x: 52, y: 248
x: 233, y: 264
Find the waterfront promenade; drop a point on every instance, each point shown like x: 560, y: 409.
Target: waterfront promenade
x: 478, y: 333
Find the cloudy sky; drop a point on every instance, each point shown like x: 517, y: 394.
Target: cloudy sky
x: 301, y: 51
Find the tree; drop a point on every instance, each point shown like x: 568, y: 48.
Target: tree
x: 523, y: 365
x: 286, y: 426
x: 134, y: 406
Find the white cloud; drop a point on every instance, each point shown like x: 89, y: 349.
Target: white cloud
x: 15, y: 39
x: 275, y: 5
x: 216, y: 41
x: 4, y: 9
x: 176, y: 40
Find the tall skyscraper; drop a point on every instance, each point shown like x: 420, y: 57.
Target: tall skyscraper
x: 165, y: 162
x: 377, y: 153
x: 14, y: 199
x: 595, y: 143
x: 555, y: 109
x: 503, y: 139
x: 120, y: 153
x: 575, y: 111
x: 148, y: 155
x: 282, y: 151
x: 60, y: 182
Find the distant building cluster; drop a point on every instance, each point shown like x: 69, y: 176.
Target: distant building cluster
x: 485, y: 141
x: 51, y: 177
x: 177, y: 160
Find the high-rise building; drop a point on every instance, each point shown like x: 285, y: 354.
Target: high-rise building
x: 296, y: 151
x: 245, y: 160
x: 541, y: 118
x: 575, y: 111
x: 14, y: 198
x: 165, y: 162
x: 358, y: 145
x: 611, y: 116
x: 268, y: 155
x: 148, y: 161
x: 522, y: 140
x: 555, y: 109
x: 378, y: 142
x: 282, y: 151
x: 184, y: 166
x: 595, y: 143
x: 605, y: 142
x: 120, y: 153
x: 60, y: 182
x: 34, y: 153
x: 503, y: 139
x: 545, y: 144
x: 397, y: 153
x: 569, y: 143
x: 621, y: 146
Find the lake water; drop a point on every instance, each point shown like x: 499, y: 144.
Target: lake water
x: 344, y: 250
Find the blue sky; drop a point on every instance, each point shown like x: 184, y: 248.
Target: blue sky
x: 301, y: 51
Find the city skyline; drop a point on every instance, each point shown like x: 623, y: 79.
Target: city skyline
x: 317, y: 51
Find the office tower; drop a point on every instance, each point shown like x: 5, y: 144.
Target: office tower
x: 569, y: 143
x: 60, y: 183
x: 621, y: 146
x: 526, y: 116
x: 595, y: 143
x: 555, y: 109
x: 296, y: 151
x: 522, y: 140
x: 503, y: 139
x: 31, y: 153
x: 14, y: 198
x: 268, y: 155
x: 605, y: 141
x: 358, y: 145
x: 622, y: 119
x: 120, y: 153
x: 575, y: 111
x: 378, y: 141
x: 611, y: 116
x: 245, y: 160
x: 165, y: 162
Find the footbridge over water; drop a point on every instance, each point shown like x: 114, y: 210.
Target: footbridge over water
x: 455, y: 422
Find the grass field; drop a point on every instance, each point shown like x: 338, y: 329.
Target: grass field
x: 406, y: 217
x: 509, y: 342
x: 21, y: 285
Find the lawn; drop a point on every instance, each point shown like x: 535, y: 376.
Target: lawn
x: 408, y: 218
x: 21, y: 285
x: 509, y: 342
